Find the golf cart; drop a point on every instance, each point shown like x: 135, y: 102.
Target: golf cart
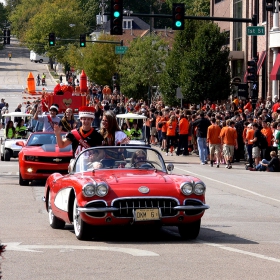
x: 132, y: 118
x: 8, y: 147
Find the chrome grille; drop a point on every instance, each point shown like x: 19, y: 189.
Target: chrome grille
x: 127, y: 205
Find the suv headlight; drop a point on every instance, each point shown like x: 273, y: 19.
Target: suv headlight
x: 89, y: 189
x: 102, y: 189
x: 186, y: 188
x: 199, y: 188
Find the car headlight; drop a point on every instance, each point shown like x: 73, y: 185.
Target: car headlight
x: 101, y: 189
x: 31, y: 158
x: 89, y: 189
x: 199, y: 188
x: 186, y: 188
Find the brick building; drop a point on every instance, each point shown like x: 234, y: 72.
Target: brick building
x: 240, y: 44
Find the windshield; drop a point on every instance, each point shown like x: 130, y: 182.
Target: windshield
x: 41, y: 139
x: 119, y: 157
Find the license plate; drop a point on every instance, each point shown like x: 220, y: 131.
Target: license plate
x: 146, y: 214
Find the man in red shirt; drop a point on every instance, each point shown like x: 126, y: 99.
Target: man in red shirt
x: 276, y: 106
x: 229, y: 140
x: 183, y: 135
x: 214, y: 141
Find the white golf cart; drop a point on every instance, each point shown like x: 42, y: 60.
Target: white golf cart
x: 8, y: 147
x: 140, y: 119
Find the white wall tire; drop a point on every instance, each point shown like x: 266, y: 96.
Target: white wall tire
x: 81, y: 228
x: 53, y: 220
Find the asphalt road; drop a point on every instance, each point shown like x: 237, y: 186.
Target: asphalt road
x: 239, y: 236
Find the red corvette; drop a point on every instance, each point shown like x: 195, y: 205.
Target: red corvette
x: 40, y: 156
x: 124, y: 186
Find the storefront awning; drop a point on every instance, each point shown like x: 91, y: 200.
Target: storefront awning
x: 275, y: 72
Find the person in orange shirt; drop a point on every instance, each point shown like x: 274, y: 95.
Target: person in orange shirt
x: 267, y: 132
x: 214, y: 141
x: 183, y: 135
x: 158, y: 128
x: 163, y: 122
x: 248, y: 106
x: 249, y: 145
x: 171, y: 126
x: 229, y: 140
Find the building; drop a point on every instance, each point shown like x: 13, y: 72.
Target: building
x: 240, y: 44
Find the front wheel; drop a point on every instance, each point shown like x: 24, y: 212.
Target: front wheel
x: 53, y: 220
x: 23, y: 182
x: 7, y: 155
x: 81, y: 228
x: 190, y: 231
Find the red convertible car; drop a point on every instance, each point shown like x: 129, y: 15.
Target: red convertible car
x: 40, y: 156
x: 124, y: 186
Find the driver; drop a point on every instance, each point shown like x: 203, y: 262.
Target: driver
x: 138, y: 158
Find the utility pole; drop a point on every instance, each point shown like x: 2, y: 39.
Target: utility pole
x: 254, y: 85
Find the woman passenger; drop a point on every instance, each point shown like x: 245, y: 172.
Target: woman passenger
x: 68, y: 122
x: 10, y: 130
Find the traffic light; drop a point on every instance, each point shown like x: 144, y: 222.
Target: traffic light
x: 51, y: 39
x: 7, y: 37
x: 83, y: 40
x: 252, y: 71
x: 178, y: 13
x: 116, y: 20
x: 271, y: 5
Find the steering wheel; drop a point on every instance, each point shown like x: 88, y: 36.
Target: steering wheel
x: 148, y: 164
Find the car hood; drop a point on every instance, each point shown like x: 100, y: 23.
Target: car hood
x: 47, y: 148
x: 117, y: 177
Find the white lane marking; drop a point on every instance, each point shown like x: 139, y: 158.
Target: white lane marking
x: 241, y: 252
x: 9, y: 173
x: 230, y: 185
x: 15, y: 246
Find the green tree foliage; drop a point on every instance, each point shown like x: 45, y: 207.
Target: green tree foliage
x: 54, y: 17
x: 20, y: 15
x: 198, y: 63
x: 193, y: 7
x: 3, y: 15
x: 205, y: 69
x: 170, y: 78
x: 98, y: 60
x: 142, y: 65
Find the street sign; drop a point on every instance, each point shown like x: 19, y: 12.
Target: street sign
x: 255, y: 30
x: 120, y: 49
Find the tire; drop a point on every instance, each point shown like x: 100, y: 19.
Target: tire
x: 82, y: 229
x: 53, y: 220
x: 190, y: 231
x: 23, y: 182
x: 41, y: 61
x: 7, y: 155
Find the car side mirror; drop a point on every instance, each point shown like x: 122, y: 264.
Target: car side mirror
x: 20, y: 143
x: 170, y: 167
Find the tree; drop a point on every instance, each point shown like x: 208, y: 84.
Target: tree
x: 142, y: 65
x: 41, y: 24
x: 170, y: 79
x: 205, y: 69
x: 98, y: 60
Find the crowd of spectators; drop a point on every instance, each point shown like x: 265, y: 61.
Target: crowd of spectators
x: 237, y: 126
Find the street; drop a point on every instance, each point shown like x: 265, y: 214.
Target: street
x: 239, y: 237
